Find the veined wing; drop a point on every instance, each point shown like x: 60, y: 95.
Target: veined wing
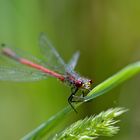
x: 8, y: 73
x: 13, y: 70
x: 73, y: 62
x: 52, y: 57
x: 20, y: 53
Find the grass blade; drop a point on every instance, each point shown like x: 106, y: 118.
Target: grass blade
x: 45, y: 127
x: 121, y: 76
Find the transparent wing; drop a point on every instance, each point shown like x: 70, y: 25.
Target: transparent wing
x: 73, y: 61
x: 52, y: 57
x: 8, y: 73
x: 20, y: 53
x: 12, y: 70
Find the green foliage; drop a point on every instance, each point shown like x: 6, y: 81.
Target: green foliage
x: 93, y: 127
x: 123, y: 75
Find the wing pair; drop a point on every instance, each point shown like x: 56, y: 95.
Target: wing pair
x: 52, y: 61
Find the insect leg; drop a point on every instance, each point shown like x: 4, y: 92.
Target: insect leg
x: 71, y: 97
x: 83, y: 93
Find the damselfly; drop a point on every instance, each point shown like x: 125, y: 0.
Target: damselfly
x: 35, y: 69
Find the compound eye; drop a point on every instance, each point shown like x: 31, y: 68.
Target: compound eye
x: 78, y: 83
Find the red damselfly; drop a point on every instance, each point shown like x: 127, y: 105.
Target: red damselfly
x: 35, y: 69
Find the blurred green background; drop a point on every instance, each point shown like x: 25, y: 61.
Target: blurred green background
x: 107, y: 33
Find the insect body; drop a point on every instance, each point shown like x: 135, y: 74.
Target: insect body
x: 38, y: 69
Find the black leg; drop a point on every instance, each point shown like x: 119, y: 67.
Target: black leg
x: 74, y: 90
x: 83, y: 93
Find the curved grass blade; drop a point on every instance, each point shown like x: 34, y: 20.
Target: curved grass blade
x: 123, y: 75
x: 45, y: 127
